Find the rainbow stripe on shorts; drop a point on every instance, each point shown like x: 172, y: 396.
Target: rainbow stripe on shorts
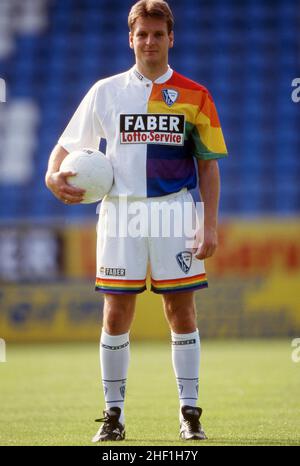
x: 113, y: 286
x: 179, y: 284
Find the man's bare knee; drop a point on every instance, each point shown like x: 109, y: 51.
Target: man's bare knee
x: 180, y: 312
x: 118, y: 313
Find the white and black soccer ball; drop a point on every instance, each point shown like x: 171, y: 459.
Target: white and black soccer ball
x: 94, y: 173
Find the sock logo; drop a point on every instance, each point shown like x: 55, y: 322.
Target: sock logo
x: 180, y: 389
x: 2, y: 90
x: 115, y: 347
x: 122, y: 391
x: 152, y: 128
x: 184, y: 260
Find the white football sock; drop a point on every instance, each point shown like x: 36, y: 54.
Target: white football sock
x: 114, y: 362
x: 186, y: 362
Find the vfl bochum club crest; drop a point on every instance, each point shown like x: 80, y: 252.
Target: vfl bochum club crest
x: 170, y: 96
x: 184, y: 260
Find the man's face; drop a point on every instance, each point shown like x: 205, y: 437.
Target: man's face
x: 151, y: 42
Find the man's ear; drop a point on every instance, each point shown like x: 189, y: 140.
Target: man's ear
x: 171, y: 39
x: 130, y: 40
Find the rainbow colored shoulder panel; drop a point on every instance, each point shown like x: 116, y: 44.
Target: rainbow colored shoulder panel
x: 202, y: 125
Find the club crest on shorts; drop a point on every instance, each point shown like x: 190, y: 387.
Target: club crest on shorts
x: 170, y: 96
x: 184, y: 260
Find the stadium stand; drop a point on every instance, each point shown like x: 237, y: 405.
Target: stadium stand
x: 52, y: 51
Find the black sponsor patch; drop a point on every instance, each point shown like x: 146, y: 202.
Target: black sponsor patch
x: 113, y: 272
x: 184, y: 342
x: 152, y: 128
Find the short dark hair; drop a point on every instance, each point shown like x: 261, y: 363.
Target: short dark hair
x: 153, y: 9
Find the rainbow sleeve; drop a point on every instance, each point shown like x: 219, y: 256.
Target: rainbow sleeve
x: 207, y: 133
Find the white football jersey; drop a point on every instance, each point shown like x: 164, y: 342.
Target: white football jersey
x: 153, y: 131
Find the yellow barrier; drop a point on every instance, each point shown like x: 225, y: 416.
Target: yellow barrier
x: 50, y: 312
x: 253, y: 290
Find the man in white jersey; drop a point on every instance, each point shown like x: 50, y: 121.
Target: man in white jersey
x: 157, y: 123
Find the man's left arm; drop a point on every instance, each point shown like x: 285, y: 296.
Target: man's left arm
x: 209, y: 184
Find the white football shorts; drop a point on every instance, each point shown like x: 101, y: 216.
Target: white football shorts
x: 157, y: 232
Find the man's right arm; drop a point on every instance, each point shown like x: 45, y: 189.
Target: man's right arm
x: 56, y: 180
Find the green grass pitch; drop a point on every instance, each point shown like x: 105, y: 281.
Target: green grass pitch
x: 249, y: 392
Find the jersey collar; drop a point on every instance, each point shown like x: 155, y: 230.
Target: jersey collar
x: 162, y: 79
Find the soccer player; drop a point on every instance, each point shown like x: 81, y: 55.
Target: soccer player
x: 160, y: 127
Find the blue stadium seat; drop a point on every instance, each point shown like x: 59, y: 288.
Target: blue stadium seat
x: 245, y: 55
